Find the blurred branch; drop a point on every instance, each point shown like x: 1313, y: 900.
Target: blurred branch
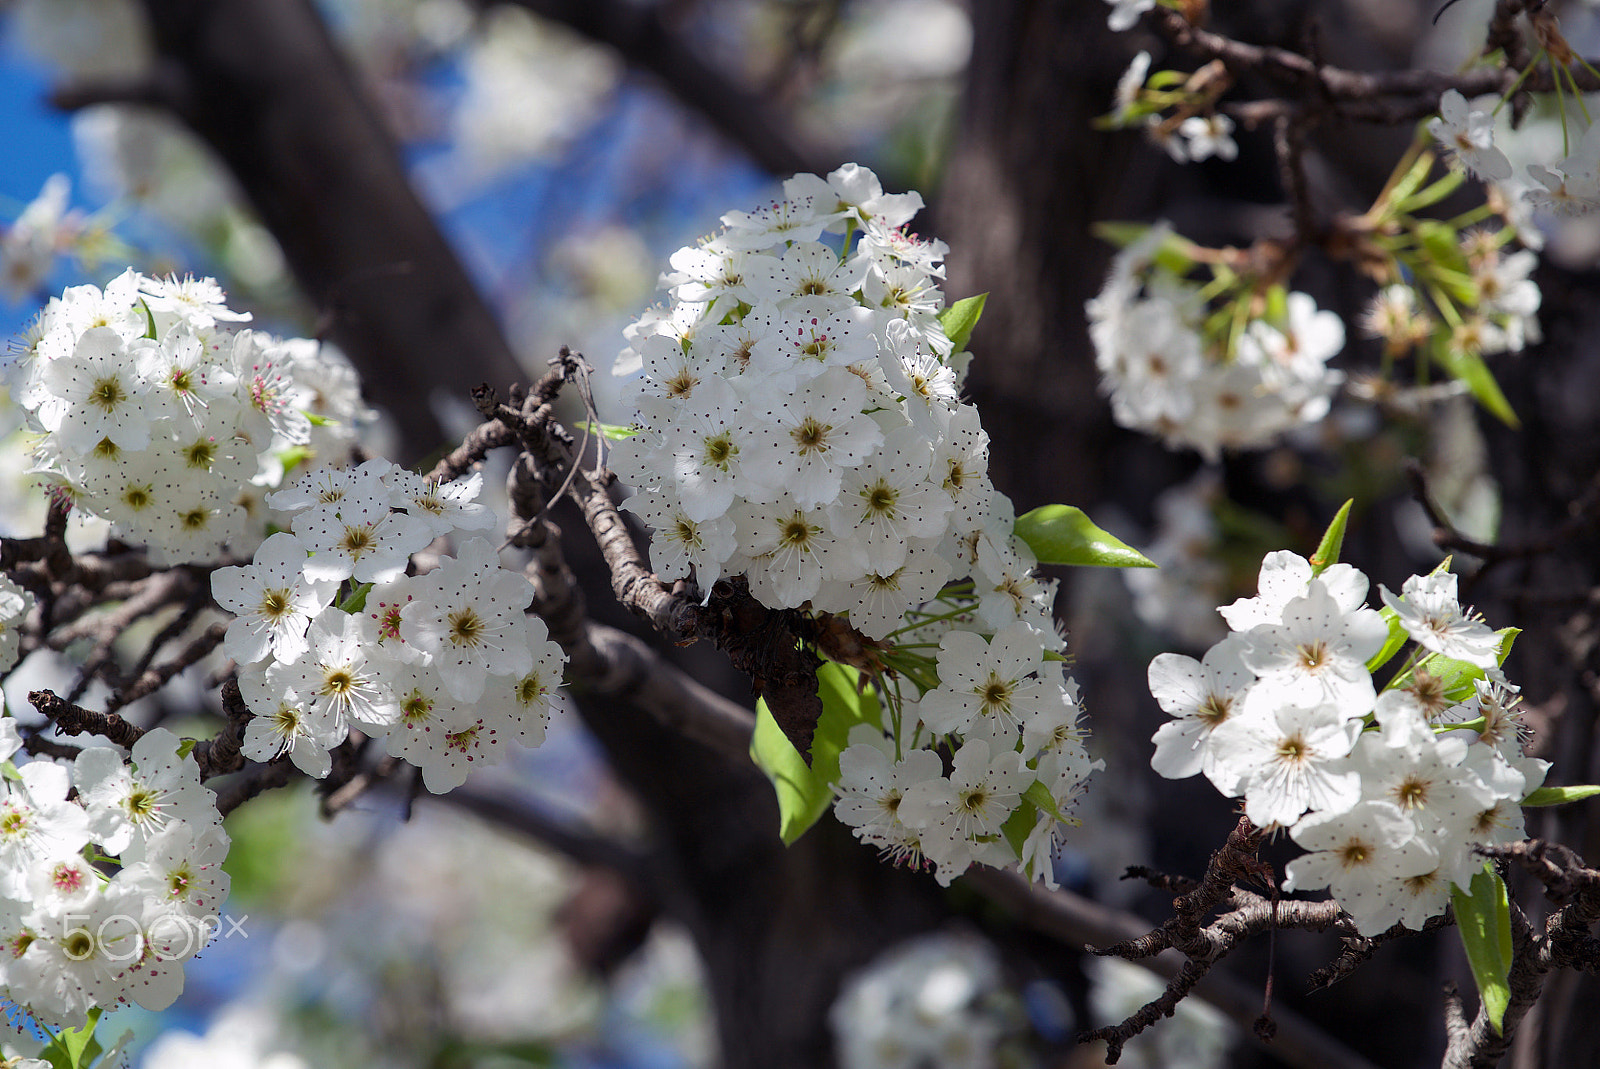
x: 1306, y: 79
x: 583, y: 847
x: 1583, y: 516
x: 646, y: 41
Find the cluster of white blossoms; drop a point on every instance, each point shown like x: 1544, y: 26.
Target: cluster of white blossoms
x: 1169, y: 376
x: 151, y: 411
x: 1571, y: 187
x: 74, y: 937
x: 42, y: 232
x: 1389, y: 791
x: 446, y: 666
x: 800, y: 421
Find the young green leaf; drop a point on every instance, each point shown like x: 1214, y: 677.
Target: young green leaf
x: 960, y: 318
x: 294, y: 456
x: 1044, y: 801
x: 1019, y: 825
x: 1327, y: 554
x: 1469, y: 368
x: 74, y: 1048
x: 1119, y: 234
x: 805, y: 791
x: 1458, y: 679
x: 1483, y: 916
x: 1561, y: 795
x: 613, y: 431
x: 1391, y: 646
x: 357, y: 601
x: 1062, y: 534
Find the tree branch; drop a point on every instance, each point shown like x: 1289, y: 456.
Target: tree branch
x: 645, y: 41
x: 1078, y: 921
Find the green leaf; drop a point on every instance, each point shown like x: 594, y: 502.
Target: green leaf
x: 1483, y: 917
x: 1019, y: 825
x: 805, y: 791
x: 613, y: 431
x: 1459, y: 678
x: 74, y: 1048
x: 1044, y: 801
x: 319, y: 421
x: 294, y: 456
x: 1062, y: 534
x: 357, y: 600
x: 1469, y: 368
x: 1433, y: 194
x: 1412, y: 180
x: 1561, y: 795
x: 1327, y: 554
x: 186, y: 747
x: 1397, y: 638
x: 959, y: 319
x: 1277, y: 311
x: 1119, y: 234
x: 149, y: 318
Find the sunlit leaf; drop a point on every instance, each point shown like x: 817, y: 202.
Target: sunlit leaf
x: 960, y: 318
x: 805, y: 791
x: 1327, y: 554
x: 1561, y: 795
x: 1483, y: 917
x: 1062, y: 534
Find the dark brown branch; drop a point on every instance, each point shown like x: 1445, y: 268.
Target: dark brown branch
x: 254, y: 780
x: 220, y: 754
x: 771, y: 645
x: 1358, y: 949
x: 1289, y: 144
x: 1304, y: 79
x: 1584, y: 516
x: 155, y: 678
x: 1482, y: 1045
x: 1078, y: 921
x: 153, y: 595
x: 162, y: 87
x: 463, y: 459
x: 71, y: 719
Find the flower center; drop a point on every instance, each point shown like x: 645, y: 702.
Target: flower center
x: 107, y: 393
x: 811, y: 436
x: 357, y: 541
x: 466, y: 627
x: 275, y: 604
x: 881, y: 498
x: 530, y: 689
